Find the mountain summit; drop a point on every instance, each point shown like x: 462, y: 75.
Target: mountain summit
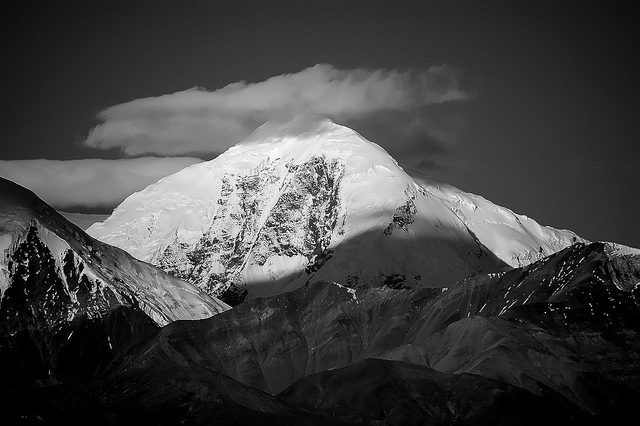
x: 308, y: 200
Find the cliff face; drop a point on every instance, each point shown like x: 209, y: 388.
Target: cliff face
x: 253, y: 230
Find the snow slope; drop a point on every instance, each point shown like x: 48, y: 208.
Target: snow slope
x: 52, y: 267
x: 516, y: 239
x: 310, y: 199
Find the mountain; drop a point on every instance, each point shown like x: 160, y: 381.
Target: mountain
x: 312, y: 200
x: 556, y: 341
x: 565, y: 328
x: 68, y: 302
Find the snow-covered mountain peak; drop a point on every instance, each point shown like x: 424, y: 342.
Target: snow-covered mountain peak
x: 302, y: 138
x: 301, y: 200
x: 302, y: 127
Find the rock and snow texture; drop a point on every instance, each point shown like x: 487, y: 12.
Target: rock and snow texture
x: 54, y: 270
x: 310, y: 199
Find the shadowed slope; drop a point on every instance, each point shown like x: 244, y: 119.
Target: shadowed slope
x: 397, y: 393
x: 564, y: 323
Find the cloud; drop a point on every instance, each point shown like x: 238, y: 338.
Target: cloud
x: 90, y: 184
x: 208, y: 122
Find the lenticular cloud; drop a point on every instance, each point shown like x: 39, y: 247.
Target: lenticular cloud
x: 208, y: 122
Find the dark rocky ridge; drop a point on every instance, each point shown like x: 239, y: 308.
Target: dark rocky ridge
x: 520, y: 347
x: 376, y: 391
x: 164, y: 395
x: 532, y: 327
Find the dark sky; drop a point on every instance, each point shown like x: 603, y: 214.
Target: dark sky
x: 552, y: 129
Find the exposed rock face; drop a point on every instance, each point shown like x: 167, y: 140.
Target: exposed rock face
x: 298, y: 225
x: 311, y: 200
x: 64, y: 294
x: 563, y: 324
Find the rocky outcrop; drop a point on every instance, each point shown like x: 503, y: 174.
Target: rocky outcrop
x: 247, y: 231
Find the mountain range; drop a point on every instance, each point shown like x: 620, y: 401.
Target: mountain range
x: 303, y: 277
